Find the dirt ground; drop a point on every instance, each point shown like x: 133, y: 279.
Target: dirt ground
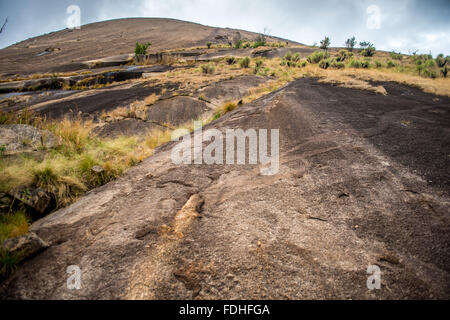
x: 363, y: 180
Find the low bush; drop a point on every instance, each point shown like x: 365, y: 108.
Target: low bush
x: 441, y: 61
x: 338, y: 65
x: 231, y: 60
x: 141, y: 48
x: 378, y: 64
x: 343, y: 55
x: 396, y: 56
x: 317, y: 56
x: 245, y: 62
x: 258, y: 66
x: 429, y: 73
x: 325, y: 63
x: 260, y: 41
x: 355, y: 64
x: 288, y: 56
x: 238, y: 44
x: 208, y: 68
x: 391, y: 64
x: 365, y: 64
x: 368, y: 52
x: 208, y: 45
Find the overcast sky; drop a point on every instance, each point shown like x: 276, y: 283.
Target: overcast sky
x: 400, y: 25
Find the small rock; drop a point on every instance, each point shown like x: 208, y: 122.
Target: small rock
x: 25, y: 246
x: 109, y: 119
x: 38, y: 199
x: 97, y: 169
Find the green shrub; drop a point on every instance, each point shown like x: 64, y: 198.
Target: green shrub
x: 391, y: 64
x: 141, y: 48
x: 208, y: 68
x: 245, y: 62
x: 2, y: 150
x: 317, y: 56
x: 396, y: 56
x: 420, y: 67
x: 430, y: 64
x: 368, y: 52
x: 260, y: 41
x: 231, y: 60
x: 288, y: 56
x: 430, y: 73
x: 338, y: 65
x: 296, y: 57
x: 209, y: 44
x: 8, y: 263
x: 303, y: 64
x: 444, y: 71
x: 355, y: 64
x: 258, y: 65
x: 365, y: 64
x: 238, y: 44
x: 421, y: 58
x: 291, y: 64
x: 441, y: 61
x: 343, y: 55
x: 325, y: 63
x: 378, y: 64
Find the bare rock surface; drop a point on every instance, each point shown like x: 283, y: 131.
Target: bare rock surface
x: 233, y: 89
x: 176, y: 111
x: 18, y: 138
x: 355, y: 188
x: 126, y: 127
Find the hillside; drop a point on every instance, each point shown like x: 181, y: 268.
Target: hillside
x: 109, y: 38
x: 88, y: 176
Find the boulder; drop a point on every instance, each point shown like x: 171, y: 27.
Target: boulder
x: 18, y: 138
x: 37, y: 199
x: 25, y: 246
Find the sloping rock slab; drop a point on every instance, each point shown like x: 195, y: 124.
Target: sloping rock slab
x: 177, y: 110
x: 18, y: 138
x: 233, y: 89
x: 127, y: 127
